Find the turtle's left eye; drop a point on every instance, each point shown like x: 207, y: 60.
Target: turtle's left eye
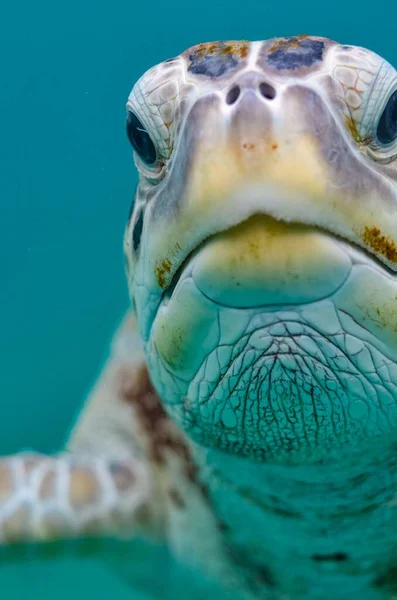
x: 140, y: 139
x: 387, y: 126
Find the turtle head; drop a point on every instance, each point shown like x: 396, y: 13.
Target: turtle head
x: 262, y: 244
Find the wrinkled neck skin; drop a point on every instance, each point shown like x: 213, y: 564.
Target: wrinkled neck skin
x: 293, y: 415
x: 326, y: 530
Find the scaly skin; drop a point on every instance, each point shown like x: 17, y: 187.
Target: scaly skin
x: 261, y: 257
x: 64, y: 496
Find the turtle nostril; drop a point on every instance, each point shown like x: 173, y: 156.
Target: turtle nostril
x: 233, y: 95
x: 267, y: 91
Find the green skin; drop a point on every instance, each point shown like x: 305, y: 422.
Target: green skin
x: 261, y: 253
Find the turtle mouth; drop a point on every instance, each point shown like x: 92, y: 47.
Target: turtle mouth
x: 294, y: 295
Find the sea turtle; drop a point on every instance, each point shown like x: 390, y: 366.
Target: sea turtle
x: 248, y: 409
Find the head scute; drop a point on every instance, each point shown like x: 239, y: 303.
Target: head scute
x: 217, y: 59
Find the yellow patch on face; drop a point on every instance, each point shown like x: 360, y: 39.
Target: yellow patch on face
x: 264, y: 261
x: 262, y: 241
x: 222, y: 168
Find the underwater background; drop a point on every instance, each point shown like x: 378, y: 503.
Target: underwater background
x: 66, y: 184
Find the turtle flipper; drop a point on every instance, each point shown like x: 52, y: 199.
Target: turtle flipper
x: 105, y: 483
x: 45, y: 498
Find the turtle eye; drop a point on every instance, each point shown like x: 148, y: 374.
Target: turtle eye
x: 140, y: 139
x: 387, y: 126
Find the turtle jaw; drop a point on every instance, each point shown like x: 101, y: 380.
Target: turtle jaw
x: 264, y: 262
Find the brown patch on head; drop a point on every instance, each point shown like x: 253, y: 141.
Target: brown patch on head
x: 205, y: 48
x: 299, y: 54
x: 373, y: 237
x: 162, y: 270
x: 284, y: 43
x: 217, y: 59
x: 162, y: 435
x: 238, y: 49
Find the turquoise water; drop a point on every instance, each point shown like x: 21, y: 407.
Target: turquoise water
x: 66, y: 181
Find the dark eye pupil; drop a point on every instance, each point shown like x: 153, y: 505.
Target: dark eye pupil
x: 140, y: 139
x: 387, y: 128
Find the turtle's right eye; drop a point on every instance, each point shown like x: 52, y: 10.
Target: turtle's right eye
x: 140, y: 140
x: 387, y: 127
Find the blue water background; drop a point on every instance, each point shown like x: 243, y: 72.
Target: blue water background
x: 66, y: 182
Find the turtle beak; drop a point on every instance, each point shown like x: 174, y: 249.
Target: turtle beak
x: 252, y: 150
